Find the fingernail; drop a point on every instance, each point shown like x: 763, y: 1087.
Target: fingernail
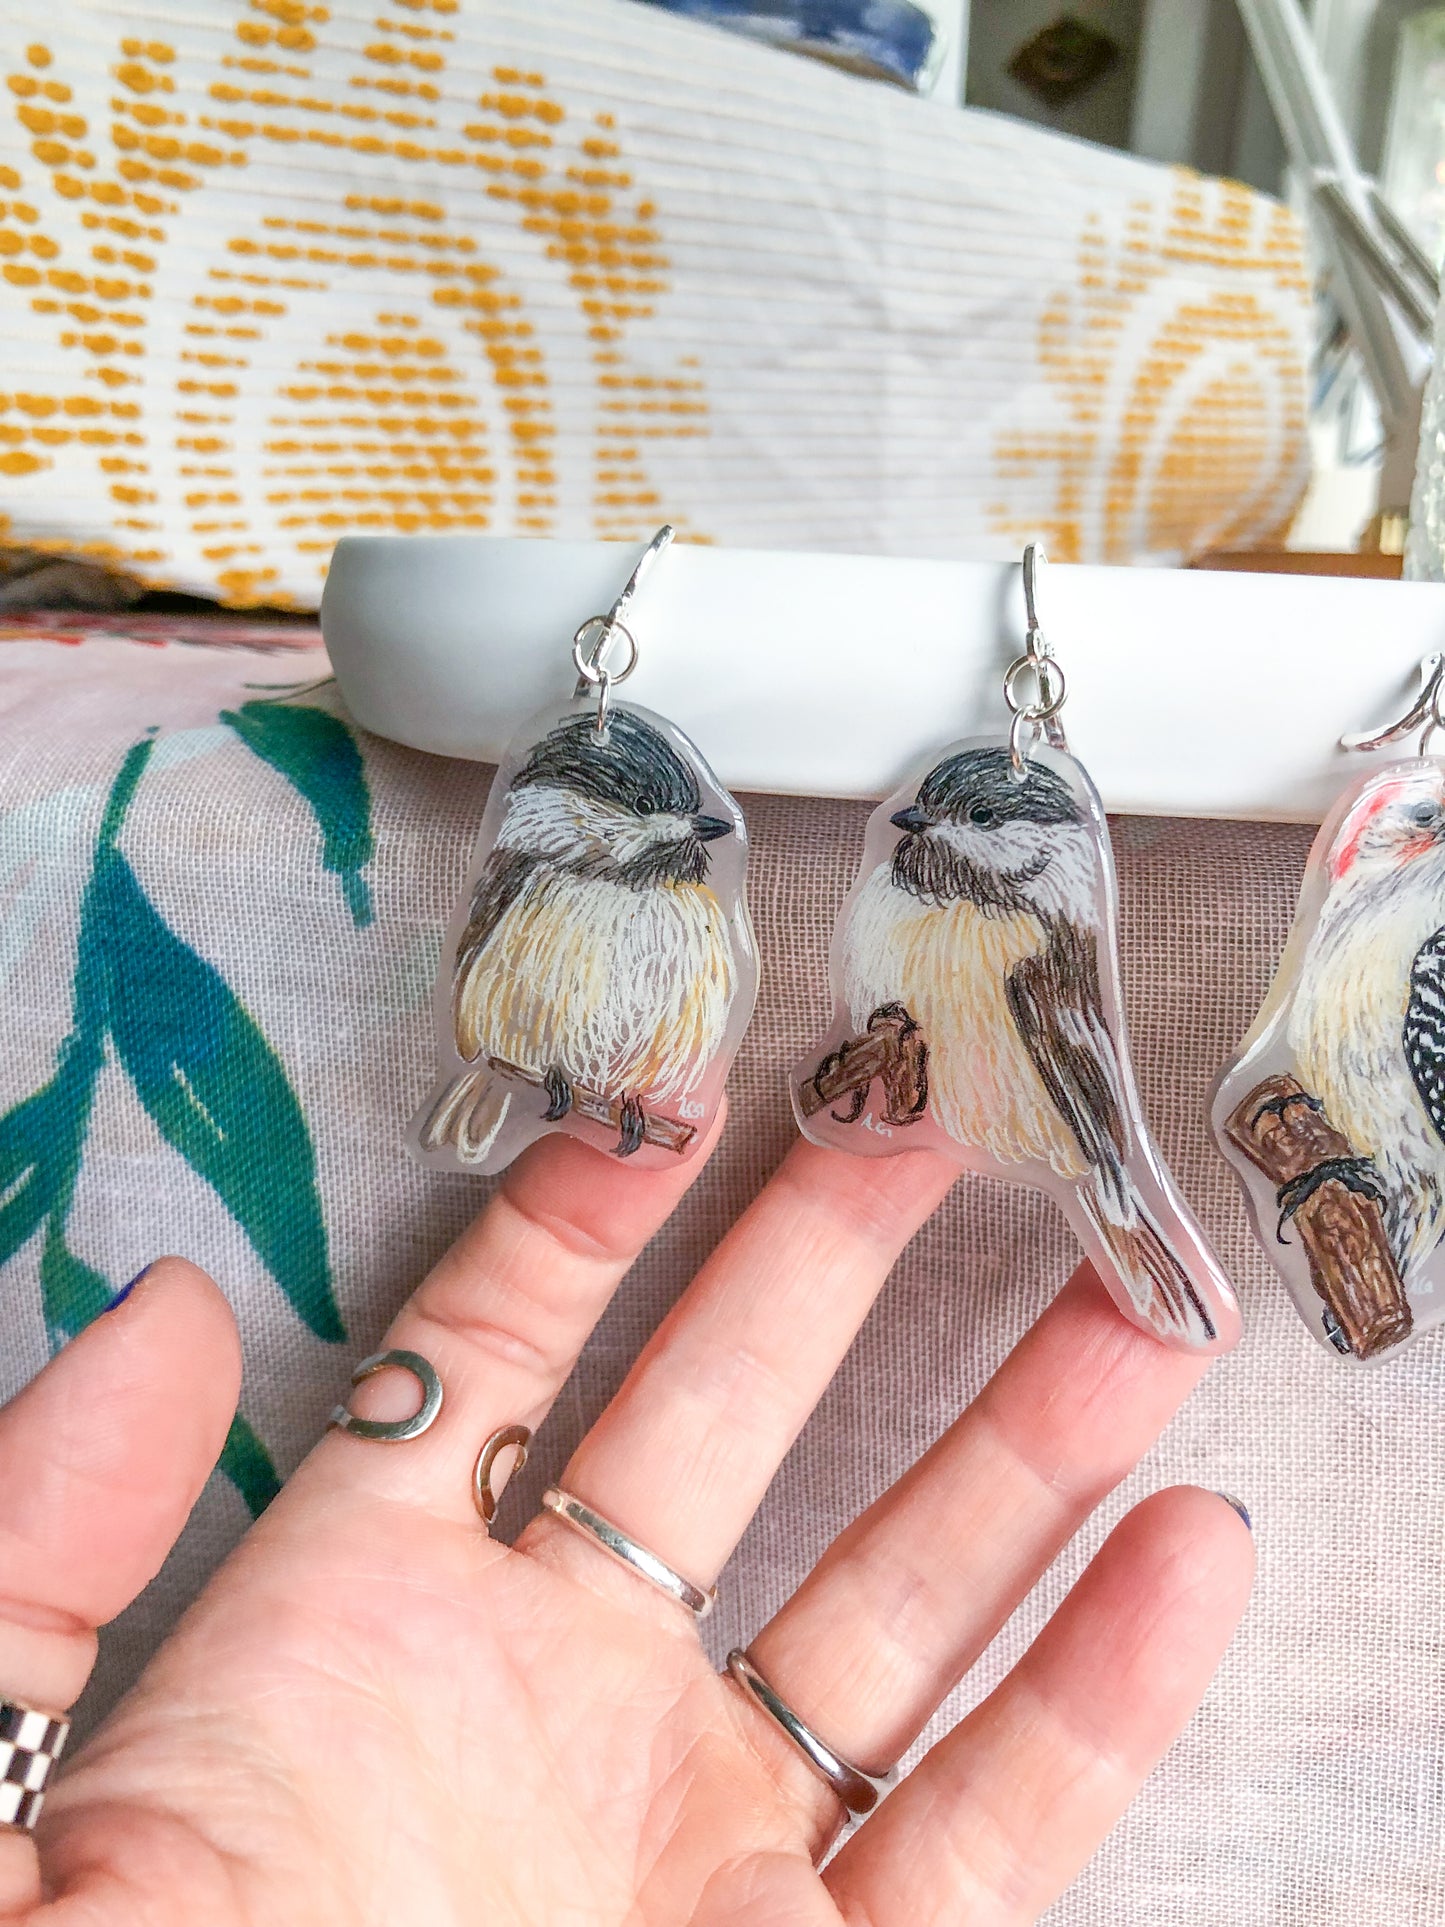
x: 1238, y: 1506
x: 126, y: 1290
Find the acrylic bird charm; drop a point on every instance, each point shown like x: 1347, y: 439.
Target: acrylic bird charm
x: 600, y: 969
x: 977, y: 1011
x: 1333, y: 1111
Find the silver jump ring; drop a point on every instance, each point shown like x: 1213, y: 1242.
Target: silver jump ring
x: 589, y: 667
x: 615, y: 1542
x: 30, y: 1745
x: 859, y: 1792
x: 394, y: 1430
x: 483, y: 1497
x: 1051, y: 687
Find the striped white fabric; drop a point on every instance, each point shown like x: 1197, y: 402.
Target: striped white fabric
x: 275, y: 271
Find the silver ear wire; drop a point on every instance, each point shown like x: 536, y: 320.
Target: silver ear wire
x: 591, y: 672
x: 1037, y: 714
x: 1423, y: 714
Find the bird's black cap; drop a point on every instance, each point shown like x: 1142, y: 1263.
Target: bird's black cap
x: 983, y: 779
x: 635, y: 767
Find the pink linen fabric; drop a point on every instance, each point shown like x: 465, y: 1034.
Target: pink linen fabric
x: 1308, y: 1788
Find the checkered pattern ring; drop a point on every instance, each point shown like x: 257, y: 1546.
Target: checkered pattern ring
x: 30, y: 1745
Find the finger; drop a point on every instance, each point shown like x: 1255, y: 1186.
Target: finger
x: 101, y: 1459
x: 684, y: 1453
x: 503, y: 1316
x: 999, y: 1818
x: 905, y: 1599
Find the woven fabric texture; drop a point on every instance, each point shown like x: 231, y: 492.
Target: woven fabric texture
x: 1306, y: 1791
x: 276, y: 270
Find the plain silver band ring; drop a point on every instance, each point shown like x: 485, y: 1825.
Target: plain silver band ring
x: 859, y: 1792
x: 613, y: 1540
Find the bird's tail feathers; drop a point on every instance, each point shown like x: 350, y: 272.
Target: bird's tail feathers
x: 468, y: 1113
x: 1156, y: 1279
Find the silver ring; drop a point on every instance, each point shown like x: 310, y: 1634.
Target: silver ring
x: 398, y: 1428
x: 858, y: 1791
x: 612, y: 1540
x: 589, y: 668
x: 1051, y: 687
x: 483, y: 1496
x: 30, y: 1744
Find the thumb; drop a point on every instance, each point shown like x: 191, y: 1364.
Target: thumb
x: 102, y: 1457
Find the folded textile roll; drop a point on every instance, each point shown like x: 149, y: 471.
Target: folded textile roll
x: 278, y: 271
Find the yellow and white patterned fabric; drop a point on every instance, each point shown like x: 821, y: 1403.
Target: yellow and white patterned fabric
x: 273, y: 270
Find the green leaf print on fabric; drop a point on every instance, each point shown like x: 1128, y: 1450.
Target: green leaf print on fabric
x: 215, y: 1089
x: 247, y: 1464
x: 72, y: 1291
x: 317, y: 755
x: 27, y: 1173
x: 209, y: 1080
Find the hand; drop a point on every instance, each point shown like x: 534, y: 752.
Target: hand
x: 375, y: 1713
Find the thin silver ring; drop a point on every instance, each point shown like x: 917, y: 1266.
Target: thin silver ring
x: 483, y: 1497
x: 615, y: 1542
x: 859, y: 1792
x: 590, y: 668
x: 392, y: 1431
x: 1047, y: 669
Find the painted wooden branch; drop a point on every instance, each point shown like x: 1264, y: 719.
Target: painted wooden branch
x: 1284, y: 1132
x: 893, y: 1051
x: 665, y: 1132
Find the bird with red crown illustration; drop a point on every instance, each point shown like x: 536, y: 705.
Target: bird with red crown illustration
x: 1340, y: 1086
x: 1367, y: 1020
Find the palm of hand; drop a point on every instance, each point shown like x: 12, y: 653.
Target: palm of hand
x: 375, y: 1713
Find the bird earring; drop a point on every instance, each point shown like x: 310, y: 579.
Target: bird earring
x: 1332, y: 1112
x: 600, y: 970
x: 977, y: 1010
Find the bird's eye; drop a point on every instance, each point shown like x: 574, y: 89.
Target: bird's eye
x: 983, y: 815
x: 1422, y: 814
x: 644, y: 806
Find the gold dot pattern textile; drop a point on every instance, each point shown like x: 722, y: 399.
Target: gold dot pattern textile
x: 1307, y: 1790
x: 273, y: 271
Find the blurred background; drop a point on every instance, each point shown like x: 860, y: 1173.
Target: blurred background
x: 1153, y: 279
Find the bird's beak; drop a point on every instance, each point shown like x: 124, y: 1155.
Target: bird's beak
x: 912, y: 819
x: 708, y: 828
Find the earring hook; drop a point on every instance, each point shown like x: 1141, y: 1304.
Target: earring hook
x: 1035, y: 568
x: 590, y: 671
x: 1424, y: 714
x: 1040, y: 669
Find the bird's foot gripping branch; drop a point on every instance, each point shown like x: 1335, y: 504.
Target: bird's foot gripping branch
x: 1335, y: 1200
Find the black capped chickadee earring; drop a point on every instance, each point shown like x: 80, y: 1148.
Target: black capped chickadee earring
x: 977, y: 1008
x: 600, y: 969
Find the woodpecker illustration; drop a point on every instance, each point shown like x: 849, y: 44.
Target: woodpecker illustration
x: 595, y: 955
x: 1366, y: 1023
x: 982, y: 929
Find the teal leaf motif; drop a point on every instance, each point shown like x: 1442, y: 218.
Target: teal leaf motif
x: 72, y: 1291
x: 317, y: 755
x: 212, y: 1084
x: 27, y: 1169
x: 247, y: 1464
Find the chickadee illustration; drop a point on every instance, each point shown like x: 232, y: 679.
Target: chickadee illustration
x: 595, y: 955
x: 1367, y: 1020
x: 984, y: 927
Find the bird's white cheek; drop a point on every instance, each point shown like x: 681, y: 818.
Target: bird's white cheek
x: 632, y: 839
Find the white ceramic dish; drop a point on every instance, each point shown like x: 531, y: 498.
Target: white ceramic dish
x: 1190, y: 693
